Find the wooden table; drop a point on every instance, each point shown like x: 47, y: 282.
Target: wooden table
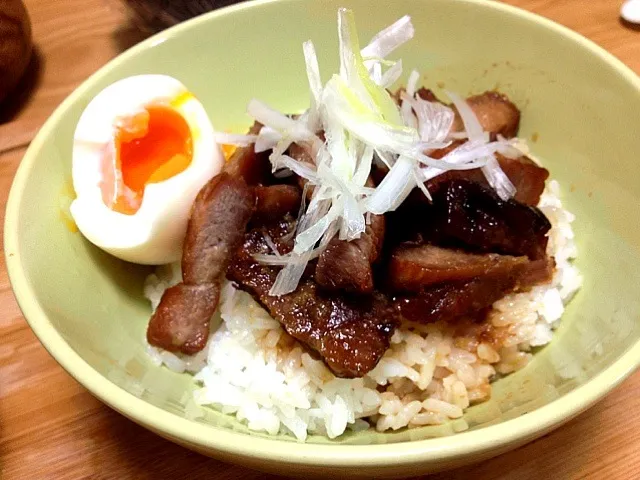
x: 51, y: 427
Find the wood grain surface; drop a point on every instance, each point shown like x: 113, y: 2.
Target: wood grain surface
x: 51, y: 427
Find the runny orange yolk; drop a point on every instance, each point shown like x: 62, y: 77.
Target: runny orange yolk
x: 149, y: 147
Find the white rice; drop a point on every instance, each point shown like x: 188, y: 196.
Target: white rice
x: 252, y: 369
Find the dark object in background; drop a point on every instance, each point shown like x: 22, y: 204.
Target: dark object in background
x: 156, y: 15
x: 15, y: 44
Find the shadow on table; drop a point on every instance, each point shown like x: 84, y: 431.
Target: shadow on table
x: 29, y: 82
x: 629, y: 25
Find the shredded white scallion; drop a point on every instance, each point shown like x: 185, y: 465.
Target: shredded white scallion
x: 434, y: 120
x: 392, y: 75
x: 412, y: 83
x: 267, y: 139
x: 237, y: 139
x: 390, y: 38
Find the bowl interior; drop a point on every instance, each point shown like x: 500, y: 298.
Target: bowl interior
x: 579, y: 109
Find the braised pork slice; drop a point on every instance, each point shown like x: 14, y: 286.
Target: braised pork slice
x: 470, y: 214
x: 218, y: 220
x: 451, y: 300
x: 414, y: 267
x: 275, y: 201
x: 300, y: 153
x: 428, y: 95
x: 346, y: 265
x: 181, y: 321
x: 423, y: 92
x: 496, y: 113
x: 245, y: 163
x: 537, y: 272
x: 527, y: 176
x: 350, y: 333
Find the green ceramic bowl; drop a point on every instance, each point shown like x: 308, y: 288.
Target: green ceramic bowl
x: 579, y: 104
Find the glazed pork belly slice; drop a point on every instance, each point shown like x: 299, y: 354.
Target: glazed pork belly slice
x: 470, y: 214
x: 527, y: 177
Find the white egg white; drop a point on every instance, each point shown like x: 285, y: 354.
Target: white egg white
x: 154, y: 234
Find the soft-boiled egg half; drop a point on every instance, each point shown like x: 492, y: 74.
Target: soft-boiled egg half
x: 142, y: 150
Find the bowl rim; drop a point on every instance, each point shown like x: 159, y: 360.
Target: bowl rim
x: 222, y: 440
